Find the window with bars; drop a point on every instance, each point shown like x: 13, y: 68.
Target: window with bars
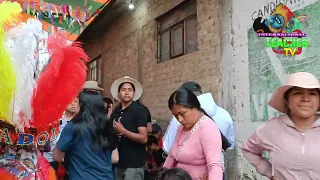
x: 94, y: 73
x: 177, y: 31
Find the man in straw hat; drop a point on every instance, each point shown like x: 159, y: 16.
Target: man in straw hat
x: 92, y: 86
x: 130, y: 121
x: 291, y: 139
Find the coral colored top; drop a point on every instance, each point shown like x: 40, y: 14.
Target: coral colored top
x: 201, y: 154
x: 294, y: 155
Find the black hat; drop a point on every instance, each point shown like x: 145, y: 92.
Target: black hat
x: 192, y: 86
x: 156, y: 128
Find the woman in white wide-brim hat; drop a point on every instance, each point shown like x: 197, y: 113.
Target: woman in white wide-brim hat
x: 116, y: 85
x: 293, y: 139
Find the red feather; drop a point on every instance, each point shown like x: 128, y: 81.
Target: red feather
x: 61, y: 81
x: 46, y: 172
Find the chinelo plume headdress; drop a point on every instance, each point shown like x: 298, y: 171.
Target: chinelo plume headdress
x: 22, y: 44
x: 61, y: 81
x: 30, y: 108
x: 7, y: 76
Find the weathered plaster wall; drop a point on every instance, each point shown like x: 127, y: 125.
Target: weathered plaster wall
x: 250, y: 72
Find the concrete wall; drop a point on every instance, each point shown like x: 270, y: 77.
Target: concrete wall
x: 130, y: 48
x: 250, y: 72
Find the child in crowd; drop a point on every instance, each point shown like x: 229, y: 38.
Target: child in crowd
x: 157, y: 132
x: 174, y: 174
x: 156, y: 151
x: 157, y: 157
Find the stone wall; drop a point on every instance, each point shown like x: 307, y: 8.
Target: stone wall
x: 130, y: 48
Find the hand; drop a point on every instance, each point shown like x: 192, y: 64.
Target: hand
x: 110, y: 109
x: 205, y: 177
x: 119, y: 127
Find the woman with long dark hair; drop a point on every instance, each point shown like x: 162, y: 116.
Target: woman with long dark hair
x: 199, y: 143
x: 87, y: 142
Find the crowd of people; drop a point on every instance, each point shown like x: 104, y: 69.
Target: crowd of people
x: 117, y: 139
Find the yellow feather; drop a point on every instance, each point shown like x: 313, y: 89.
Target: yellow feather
x: 9, y: 10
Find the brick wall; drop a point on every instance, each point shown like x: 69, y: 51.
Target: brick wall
x: 130, y: 48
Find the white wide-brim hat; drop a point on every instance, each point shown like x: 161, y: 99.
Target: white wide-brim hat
x: 301, y: 79
x: 137, y: 86
x: 92, y: 85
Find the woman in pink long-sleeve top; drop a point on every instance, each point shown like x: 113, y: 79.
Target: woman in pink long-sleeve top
x: 198, y: 145
x: 293, y: 139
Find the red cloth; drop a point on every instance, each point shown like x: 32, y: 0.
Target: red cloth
x: 160, y: 142
x: 61, y: 172
x: 4, y: 174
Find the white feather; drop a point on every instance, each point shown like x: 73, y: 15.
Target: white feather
x: 22, y: 43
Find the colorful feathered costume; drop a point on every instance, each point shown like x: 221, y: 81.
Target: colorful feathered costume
x: 30, y: 108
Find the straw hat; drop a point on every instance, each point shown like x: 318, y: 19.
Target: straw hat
x: 301, y: 79
x: 92, y: 85
x: 115, y: 86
